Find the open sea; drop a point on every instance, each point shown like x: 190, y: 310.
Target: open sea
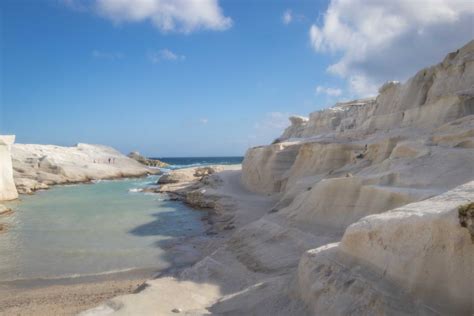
x: 95, y: 229
x: 183, y: 162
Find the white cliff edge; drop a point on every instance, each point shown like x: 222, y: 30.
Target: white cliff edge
x: 7, y: 185
x: 365, y: 157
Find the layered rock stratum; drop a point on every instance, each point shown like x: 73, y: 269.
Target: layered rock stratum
x: 364, y: 208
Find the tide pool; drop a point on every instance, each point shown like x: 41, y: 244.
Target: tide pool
x: 91, y: 229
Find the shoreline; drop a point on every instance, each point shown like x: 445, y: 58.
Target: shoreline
x: 34, y: 283
x: 73, y: 294
x: 192, y: 288
x: 89, y: 181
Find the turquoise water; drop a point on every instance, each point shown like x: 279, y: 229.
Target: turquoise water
x: 89, y: 229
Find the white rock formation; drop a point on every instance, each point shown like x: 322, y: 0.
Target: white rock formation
x: 7, y: 185
x: 296, y: 129
x: 39, y: 166
x: 364, y: 209
x: 414, y: 141
x: 418, y: 254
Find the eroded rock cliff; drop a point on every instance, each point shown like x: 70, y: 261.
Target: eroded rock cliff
x: 350, y: 170
x: 7, y: 185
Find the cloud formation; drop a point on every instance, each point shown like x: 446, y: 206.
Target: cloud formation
x: 376, y: 41
x: 332, y: 92
x: 287, y: 17
x: 184, y: 16
x: 164, y: 55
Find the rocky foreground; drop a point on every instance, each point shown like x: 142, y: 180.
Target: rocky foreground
x: 365, y: 208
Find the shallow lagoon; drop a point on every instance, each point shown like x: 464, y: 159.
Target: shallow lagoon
x: 91, y: 229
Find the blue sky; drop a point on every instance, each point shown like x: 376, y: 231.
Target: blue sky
x: 189, y: 82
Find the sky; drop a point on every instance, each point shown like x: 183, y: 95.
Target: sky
x: 204, y: 77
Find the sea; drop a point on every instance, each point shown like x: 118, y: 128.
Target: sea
x: 183, y: 162
x: 101, y: 228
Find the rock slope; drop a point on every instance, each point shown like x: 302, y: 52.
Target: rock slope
x: 7, y: 185
x: 39, y: 166
x: 365, y: 208
x: 347, y: 163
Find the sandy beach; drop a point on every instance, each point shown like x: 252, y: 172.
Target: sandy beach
x: 66, y: 296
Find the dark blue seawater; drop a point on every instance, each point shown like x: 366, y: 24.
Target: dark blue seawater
x: 184, y: 162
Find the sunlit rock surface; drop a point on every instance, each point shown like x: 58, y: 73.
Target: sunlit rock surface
x: 39, y: 166
x: 7, y: 185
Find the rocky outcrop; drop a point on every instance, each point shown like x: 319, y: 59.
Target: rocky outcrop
x: 296, y: 129
x: 147, y: 161
x: 420, y: 120
x: 39, y: 166
x: 7, y: 185
x: 353, y: 170
x: 417, y: 255
x: 265, y: 168
x: 195, y: 186
x: 177, y: 176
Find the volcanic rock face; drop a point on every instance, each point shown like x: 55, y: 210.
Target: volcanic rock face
x: 345, y: 168
x: 7, y: 186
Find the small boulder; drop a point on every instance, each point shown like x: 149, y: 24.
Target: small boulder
x: 205, y: 171
x: 176, y: 176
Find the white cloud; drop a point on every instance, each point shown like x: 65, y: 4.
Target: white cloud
x: 332, y: 92
x: 287, y: 17
x: 184, y: 16
x: 106, y: 55
x: 164, y: 55
x: 167, y: 15
x: 290, y: 17
x: 376, y: 41
x: 204, y: 121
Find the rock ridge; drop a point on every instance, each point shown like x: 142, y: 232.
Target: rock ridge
x: 37, y: 167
